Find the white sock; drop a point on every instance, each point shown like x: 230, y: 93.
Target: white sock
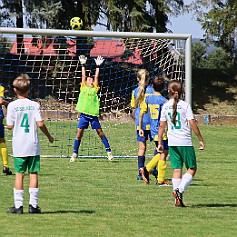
x: 186, y: 180
x: 18, y: 198
x: 34, y: 195
x: 176, y: 183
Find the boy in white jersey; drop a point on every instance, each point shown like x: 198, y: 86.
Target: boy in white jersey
x: 24, y: 117
x: 179, y: 117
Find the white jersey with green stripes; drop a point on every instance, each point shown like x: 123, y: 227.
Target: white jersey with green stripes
x: 180, y: 133
x: 23, y: 115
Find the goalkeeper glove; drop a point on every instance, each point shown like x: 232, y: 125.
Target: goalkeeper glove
x: 99, y: 60
x: 82, y: 59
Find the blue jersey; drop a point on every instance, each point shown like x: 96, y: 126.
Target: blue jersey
x: 152, y: 107
x: 146, y: 119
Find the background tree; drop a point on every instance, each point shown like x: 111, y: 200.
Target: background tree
x: 219, y: 23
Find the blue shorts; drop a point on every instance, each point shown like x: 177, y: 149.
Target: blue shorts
x: 164, y: 143
x: 2, y: 131
x: 147, y: 135
x: 1, y: 125
x: 86, y: 119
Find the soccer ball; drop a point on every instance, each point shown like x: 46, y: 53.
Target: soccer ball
x: 76, y: 23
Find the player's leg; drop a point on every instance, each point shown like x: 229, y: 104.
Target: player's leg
x: 82, y: 124
x: 189, y: 159
x: 4, y: 152
x: 162, y: 165
x: 95, y: 124
x: 20, y: 165
x: 177, y: 164
x: 34, y: 168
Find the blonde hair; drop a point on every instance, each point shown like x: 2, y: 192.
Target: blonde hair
x: 143, y: 78
x: 22, y: 84
x: 175, y: 90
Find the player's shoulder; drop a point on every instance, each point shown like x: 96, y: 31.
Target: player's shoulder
x: 149, y: 89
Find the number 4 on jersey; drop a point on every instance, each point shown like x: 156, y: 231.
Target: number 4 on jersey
x: 25, y: 123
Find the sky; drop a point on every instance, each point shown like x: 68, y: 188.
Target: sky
x: 184, y: 24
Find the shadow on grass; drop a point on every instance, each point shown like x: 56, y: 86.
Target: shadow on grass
x: 69, y: 211
x: 216, y: 205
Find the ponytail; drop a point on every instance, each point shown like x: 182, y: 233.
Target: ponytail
x: 175, y: 91
x: 142, y: 77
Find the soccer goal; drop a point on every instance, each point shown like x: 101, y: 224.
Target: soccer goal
x: 50, y: 58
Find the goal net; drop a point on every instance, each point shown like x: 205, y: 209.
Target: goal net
x: 50, y: 58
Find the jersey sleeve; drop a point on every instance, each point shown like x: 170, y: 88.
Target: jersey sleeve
x: 38, y: 116
x: 163, y: 115
x: 10, y: 115
x: 1, y: 91
x: 189, y: 113
x: 133, y: 100
x: 143, y: 107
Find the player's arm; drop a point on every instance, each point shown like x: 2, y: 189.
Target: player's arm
x: 161, y: 131
x: 44, y: 129
x: 10, y: 127
x: 82, y: 59
x: 197, y: 132
x: 98, y: 61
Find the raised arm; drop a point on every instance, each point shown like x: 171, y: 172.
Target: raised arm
x: 82, y: 59
x: 98, y: 61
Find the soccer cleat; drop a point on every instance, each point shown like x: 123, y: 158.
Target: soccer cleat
x: 110, y: 156
x: 6, y: 170
x: 145, y: 175
x: 15, y: 210
x: 73, y: 157
x: 34, y: 210
x: 162, y: 184
x: 178, y: 198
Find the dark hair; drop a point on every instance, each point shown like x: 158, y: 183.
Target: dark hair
x: 175, y: 90
x: 158, y: 83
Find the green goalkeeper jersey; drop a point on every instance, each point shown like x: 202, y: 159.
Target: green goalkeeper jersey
x: 88, y: 101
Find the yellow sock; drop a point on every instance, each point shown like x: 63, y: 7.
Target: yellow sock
x: 4, y: 153
x: 154, y: 161
x: 161, y: 171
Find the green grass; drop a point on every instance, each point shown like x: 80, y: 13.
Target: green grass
x: 93, y: 197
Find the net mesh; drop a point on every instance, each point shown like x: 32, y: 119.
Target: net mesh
x: 53, y: 66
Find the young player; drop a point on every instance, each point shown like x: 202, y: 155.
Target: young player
x: 179, y: 117
x: 23, y: 116
x: 153, y: 105
x: 138, y: 96
x: 88, y: 106
x: 3, y: 146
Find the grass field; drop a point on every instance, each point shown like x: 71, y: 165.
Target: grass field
x: 94, y: 197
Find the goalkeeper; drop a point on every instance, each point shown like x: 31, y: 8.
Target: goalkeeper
x: 88, y: 106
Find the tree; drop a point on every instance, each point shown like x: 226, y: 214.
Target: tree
x: 219, y: 23
x: 139, y: 15
x: 198, y: 53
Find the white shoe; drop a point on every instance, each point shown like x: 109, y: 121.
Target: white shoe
x: 110, y: 156
x: 73, y: 157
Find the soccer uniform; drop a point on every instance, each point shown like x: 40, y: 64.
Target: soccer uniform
x: 153, y: 105
x: 179, y: 135
x: 146, y: 120
x: 23, y: 115
x: 88, y: 106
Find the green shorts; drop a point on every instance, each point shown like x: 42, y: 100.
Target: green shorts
x: 180, y: 155
x: 31, y: 162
